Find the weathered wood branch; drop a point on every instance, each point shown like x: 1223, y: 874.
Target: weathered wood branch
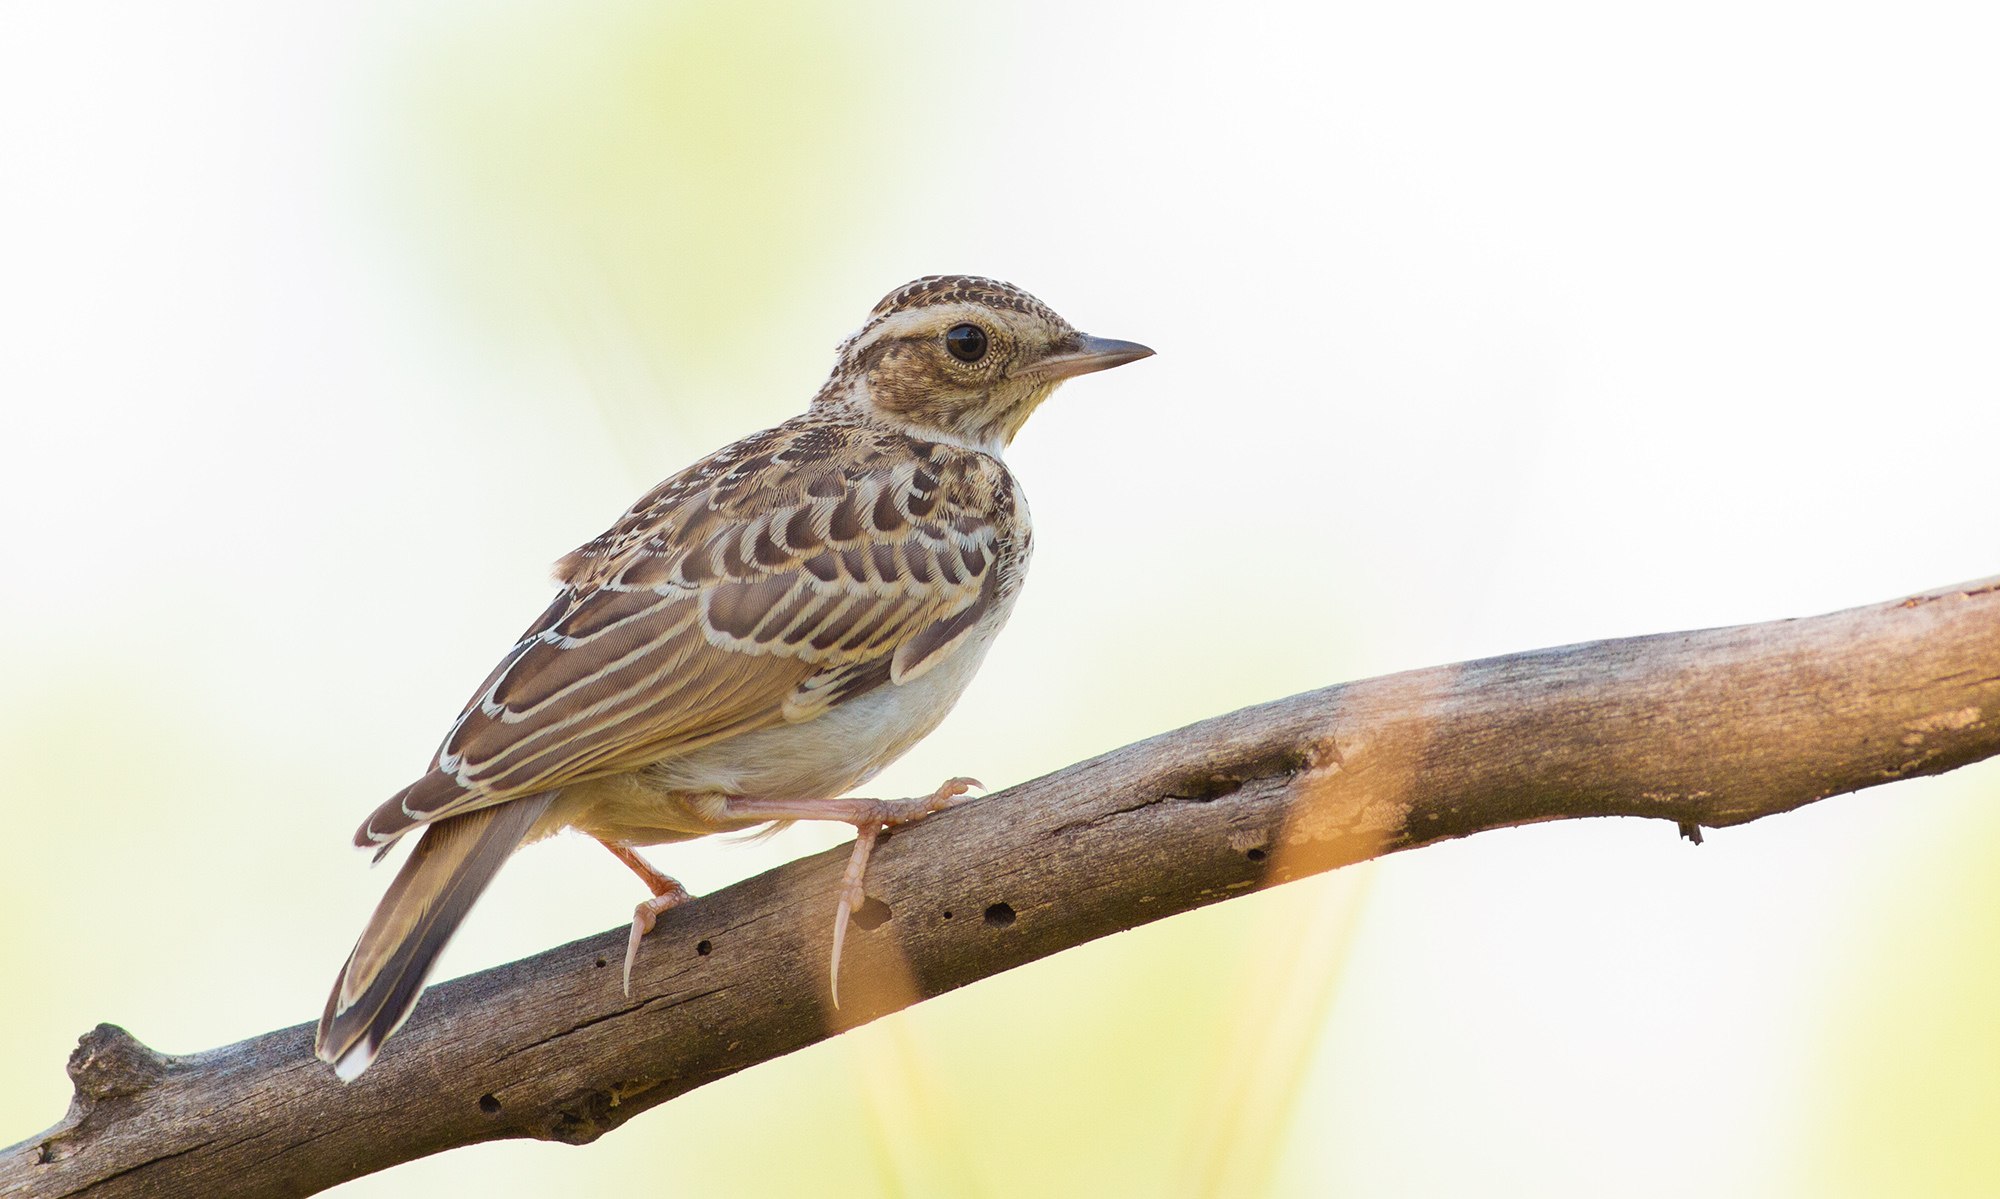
x: 1709, y: 728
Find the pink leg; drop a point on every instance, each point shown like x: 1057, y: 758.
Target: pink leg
x: 667, y: 892
x: 870, y: 818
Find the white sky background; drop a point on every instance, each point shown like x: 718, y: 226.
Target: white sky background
x: 1479, y: 327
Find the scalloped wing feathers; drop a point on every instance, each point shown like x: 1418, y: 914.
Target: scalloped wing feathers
x: 790, y: 572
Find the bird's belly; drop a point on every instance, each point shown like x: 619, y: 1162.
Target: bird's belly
x: 839, y: 749
x: 681, y: 797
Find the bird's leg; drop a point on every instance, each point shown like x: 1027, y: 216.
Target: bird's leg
x: 657, y: 883
x: 870, y: 818
x: 666, y: 893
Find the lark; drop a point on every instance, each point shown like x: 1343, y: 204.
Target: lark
x: 757, y: 636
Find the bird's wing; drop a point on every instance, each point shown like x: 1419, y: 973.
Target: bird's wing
x: 779, y: 577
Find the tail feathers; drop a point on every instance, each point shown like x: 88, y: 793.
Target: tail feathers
x: 446, y: 873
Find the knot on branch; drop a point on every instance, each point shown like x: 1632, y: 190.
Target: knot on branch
x: 586, y: 1115
x: 109, y: 1062
x: 582, y: 1118
x: 1209, y: 782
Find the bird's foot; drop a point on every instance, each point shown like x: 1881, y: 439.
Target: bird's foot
x: 895, y: 813
x: 870, y: 818
x: 643, y: 918
x: 666, y: 893
x: 880, y: 816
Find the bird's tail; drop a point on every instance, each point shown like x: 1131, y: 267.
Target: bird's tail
x: 447, y: 871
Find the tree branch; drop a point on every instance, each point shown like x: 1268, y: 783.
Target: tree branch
x: 1707, y: 728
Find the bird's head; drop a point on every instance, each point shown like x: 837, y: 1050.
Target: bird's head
x: 964, y: 359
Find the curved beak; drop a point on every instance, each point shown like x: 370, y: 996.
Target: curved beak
x: 1089, y: 354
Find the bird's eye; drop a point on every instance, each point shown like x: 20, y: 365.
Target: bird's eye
x: 967, y: 343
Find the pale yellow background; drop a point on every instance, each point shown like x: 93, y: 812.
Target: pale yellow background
x: 325, y: 327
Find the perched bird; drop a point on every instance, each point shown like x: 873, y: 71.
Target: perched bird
x: 762, y: 632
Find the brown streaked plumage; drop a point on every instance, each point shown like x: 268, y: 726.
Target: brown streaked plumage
x: 762, y: 632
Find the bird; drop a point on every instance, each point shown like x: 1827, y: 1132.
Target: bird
x: 753, y: 639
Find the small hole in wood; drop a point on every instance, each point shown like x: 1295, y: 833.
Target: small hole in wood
x: 1255, y: 855
x: 872, y: 914
x: 489, y: 1105
x: 600, y: 963
x: 703, y: 948
x: 947, y: 913
x: 999, y: 915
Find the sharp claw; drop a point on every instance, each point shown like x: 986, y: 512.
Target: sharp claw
x: 851, y: 896
x: 839, y: 938
x: 644, y: 917
x: 640, y: 927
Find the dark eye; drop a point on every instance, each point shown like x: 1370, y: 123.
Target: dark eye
x: 967, y: 343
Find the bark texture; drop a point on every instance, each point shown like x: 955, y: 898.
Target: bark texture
x: 1707, y: 728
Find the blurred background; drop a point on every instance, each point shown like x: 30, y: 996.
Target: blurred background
x: 326, y: 327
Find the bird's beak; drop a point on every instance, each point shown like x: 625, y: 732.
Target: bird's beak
x: 1089, y: 354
